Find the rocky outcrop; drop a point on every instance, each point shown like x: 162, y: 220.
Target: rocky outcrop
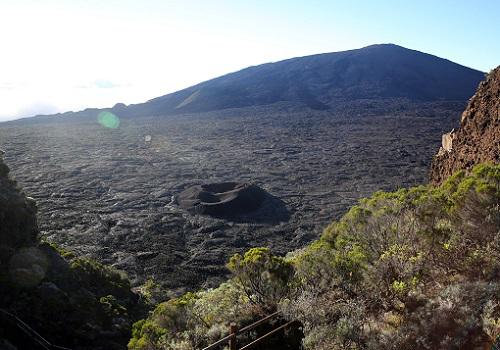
x: 18, y: 226
x: 477, y: 140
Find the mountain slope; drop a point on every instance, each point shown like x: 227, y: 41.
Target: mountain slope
x: 478, y: 138
x: 318, y: 81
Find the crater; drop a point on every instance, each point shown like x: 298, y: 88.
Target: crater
x: 225, y: 199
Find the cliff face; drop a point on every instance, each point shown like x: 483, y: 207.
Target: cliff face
x: 477, y: 140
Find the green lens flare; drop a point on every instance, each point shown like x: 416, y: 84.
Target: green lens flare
x: 108, y: 120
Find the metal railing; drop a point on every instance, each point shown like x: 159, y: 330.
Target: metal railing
x: 35, y: 337
x: 234, y: 331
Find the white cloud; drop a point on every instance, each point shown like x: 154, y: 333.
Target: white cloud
x: 37, y: 107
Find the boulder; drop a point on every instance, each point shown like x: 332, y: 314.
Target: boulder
x: 27, y: 267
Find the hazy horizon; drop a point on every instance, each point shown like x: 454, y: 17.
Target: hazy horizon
x: 70, y: 56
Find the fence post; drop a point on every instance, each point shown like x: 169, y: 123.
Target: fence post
x: 232, y: 341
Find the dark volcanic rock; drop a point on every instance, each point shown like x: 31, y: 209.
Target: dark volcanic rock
x: 108, y: 193
x: 478, y: 138
x: 224, y: 199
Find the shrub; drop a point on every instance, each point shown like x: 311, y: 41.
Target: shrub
x: 264, y: 277
x: 99, y: 278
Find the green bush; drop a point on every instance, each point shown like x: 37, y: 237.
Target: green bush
x: 263, y: 276
x: 100, y: 279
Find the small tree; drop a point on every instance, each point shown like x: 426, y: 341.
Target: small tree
x: 264, y: 277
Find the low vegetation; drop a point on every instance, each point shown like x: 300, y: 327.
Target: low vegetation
x: 414, y: 269
x: 76, y: 302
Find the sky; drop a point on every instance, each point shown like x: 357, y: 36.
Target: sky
x: 58, y: 56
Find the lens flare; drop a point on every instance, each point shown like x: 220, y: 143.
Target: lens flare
x: 108, y: 120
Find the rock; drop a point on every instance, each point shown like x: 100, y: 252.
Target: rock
x: 28, y: 267
x: 477, y: 140
x: 221, y: 199
x: 4, y: 170
x: 49, y: 292
x: 146, y: 255
x: 18, y: 224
